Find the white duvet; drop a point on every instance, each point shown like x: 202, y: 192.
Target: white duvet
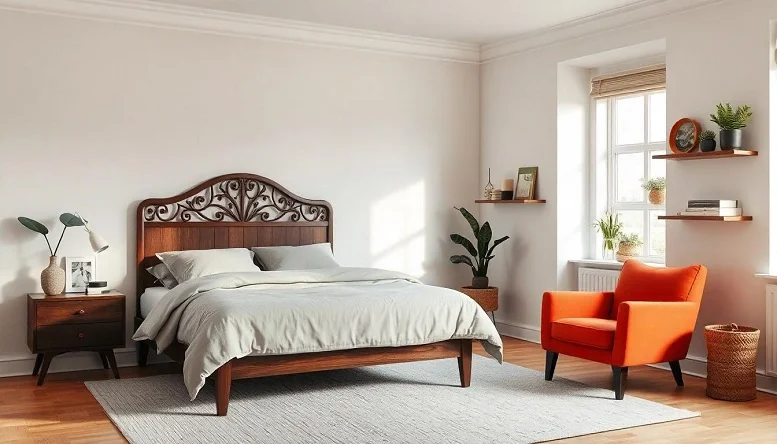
x: 231, y: 315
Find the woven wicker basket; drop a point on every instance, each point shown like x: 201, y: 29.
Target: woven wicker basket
x: 657, y: 197
x: 731, y: 353
x: 487, y: 298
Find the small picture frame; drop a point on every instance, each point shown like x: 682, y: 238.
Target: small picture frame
x: 79, y: 271
x: 684, y: 136
x: 526, y: 183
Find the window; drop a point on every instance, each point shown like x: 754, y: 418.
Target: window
x: 629, y: 130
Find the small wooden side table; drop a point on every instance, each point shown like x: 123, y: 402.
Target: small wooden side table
x: 75, y: 322
x: 487, y: 298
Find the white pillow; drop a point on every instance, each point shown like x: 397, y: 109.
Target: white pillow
x: 192, y: 264
x: 163, y: 275
x: 306, y: 257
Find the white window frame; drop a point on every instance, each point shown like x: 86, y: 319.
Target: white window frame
x: 612, y: 151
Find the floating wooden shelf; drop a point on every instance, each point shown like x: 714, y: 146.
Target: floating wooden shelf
x: 710, y: 155
x: 513, y: 201
x: 710, y: 218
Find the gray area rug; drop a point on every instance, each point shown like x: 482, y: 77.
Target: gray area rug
x: 400, y: 403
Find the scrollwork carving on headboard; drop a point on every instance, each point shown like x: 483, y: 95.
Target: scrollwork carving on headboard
x: 238, y: 200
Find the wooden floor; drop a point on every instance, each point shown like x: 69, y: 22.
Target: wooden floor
x: 63, y: 410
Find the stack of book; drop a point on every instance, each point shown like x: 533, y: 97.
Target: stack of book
x: 712, y: 208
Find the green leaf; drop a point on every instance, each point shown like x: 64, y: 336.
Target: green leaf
x: 463, y: 241
x: 461, y: 259
x: 70, y: 220
x: 473, y: 223
x: 496, y: 242
x: 33, y: 225
x: 484, y: 238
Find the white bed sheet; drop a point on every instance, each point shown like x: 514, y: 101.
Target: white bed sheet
x: 150, y: 298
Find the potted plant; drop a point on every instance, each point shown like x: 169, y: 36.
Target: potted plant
x: 482, y: 254
x: 731, y: 123
x: 657, y: 189
x: 707, y: 141
x: 610, y: 226
x: 52, y: 278
x: 628, y: 247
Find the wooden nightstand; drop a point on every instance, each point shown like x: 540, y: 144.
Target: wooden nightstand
x: 74, y: 322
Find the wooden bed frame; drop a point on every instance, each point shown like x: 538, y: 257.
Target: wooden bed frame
x: 242, y: 211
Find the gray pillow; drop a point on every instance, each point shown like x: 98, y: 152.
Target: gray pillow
x: 306, y: 257
x: 186, y: 265
x: 163, y: 275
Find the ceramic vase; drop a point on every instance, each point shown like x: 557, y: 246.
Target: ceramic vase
x: 52, y: 278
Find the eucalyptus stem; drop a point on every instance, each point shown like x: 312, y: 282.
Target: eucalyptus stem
x: 60, y: 241
x: 49, y: 244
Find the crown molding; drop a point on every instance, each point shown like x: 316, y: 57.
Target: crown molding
x: 595, y: 24
x: 146, y: 13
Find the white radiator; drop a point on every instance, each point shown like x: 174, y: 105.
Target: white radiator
x: 593, y: 279
x: 771, y: 330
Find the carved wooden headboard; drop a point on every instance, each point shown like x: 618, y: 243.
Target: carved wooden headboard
x: 230, y: 211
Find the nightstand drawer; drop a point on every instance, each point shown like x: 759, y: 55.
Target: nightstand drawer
x: 53, y: 337
x: 79, y: 312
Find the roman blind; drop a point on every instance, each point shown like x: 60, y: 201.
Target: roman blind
x: 627, y: 82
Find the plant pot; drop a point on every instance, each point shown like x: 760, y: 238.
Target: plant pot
x: 626, y: 252
x: 480, y: 282
x: 707, y: 145
x: 730, y: 139
x: 657, y: 197
x: 52, y: 278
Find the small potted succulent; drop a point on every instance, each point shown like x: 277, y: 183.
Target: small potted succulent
x: 657, y: 189
x: 731, y: 123
x: 629, y: 247
x: 610, y: 226
x: 707, y: 141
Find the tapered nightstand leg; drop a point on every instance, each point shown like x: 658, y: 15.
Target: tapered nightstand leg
x: 493, y: 318
x: 47, y: 357
x: 112, y: 360
x: 38, y: 362
x: 142, y: 353
x: 104, y: 360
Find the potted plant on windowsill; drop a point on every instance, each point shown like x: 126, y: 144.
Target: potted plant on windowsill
x: 628, y: 247
x: 657, y: 189
x: 731, y: 123
x: 610, y: 226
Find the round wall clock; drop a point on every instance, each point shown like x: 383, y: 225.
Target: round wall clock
x: 684, y: 136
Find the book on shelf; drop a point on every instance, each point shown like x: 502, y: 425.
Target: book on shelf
x: 712, y: 203
x: 712, y: 212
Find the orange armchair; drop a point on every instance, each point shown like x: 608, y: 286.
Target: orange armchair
x: 648, y: 319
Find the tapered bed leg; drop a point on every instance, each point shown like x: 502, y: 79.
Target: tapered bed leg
x: 619, y: 375
x: 142, y: 353
x: 550, y: 364
x: 223, y: 385
x: 465, y: 362
x: 676, y: 372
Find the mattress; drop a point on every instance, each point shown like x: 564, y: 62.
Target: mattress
x: 150, y: 298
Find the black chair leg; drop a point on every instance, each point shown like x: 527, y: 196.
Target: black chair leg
x: 619, y: 375
x: 550, y: 364
x: 677, y: 373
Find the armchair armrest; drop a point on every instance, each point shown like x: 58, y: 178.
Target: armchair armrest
x: 572, y: 304
x: 653, y: 332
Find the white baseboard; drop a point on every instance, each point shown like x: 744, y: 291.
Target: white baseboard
x: 692, y: 365
x: 76, y: 361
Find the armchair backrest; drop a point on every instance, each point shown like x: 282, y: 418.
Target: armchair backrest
x: 640, y: 282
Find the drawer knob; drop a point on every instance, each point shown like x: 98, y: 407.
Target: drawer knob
x: 80, y: 336
x: 81, y: 311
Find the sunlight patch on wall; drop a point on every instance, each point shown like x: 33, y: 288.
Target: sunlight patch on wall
x: 397, y: 231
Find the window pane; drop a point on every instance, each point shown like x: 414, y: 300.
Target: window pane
x: 657, y: 234
x: 657, y: 117
x: 657, y: 166
x: 630, y: 120
x: 630, y: 169
x: 633, y: 222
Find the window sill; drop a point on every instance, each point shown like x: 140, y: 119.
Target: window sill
x: 767, y: 276
x: 609, y: 264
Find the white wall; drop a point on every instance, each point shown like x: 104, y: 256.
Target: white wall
x: 95, y: 117
x: 718, y: 53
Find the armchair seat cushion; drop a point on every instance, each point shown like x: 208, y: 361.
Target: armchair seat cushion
x: 591, y: 332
